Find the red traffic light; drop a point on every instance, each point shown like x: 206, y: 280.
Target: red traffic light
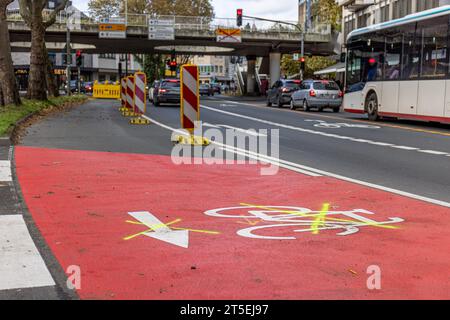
x: 239, y: 12
x: 302, y: 59
x: 79, y: 52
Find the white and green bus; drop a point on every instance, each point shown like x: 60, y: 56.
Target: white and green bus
x: 401, y: 68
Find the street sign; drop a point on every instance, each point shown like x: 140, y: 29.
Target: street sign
x: 229, y: 35
x: 161, y: 29
x: 296, y: 57
x: 112, y: 28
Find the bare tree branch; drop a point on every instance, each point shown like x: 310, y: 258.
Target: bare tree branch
x: 52, y: 19
x: 25, y: 11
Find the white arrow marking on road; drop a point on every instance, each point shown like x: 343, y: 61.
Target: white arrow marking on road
x: 161, y: 231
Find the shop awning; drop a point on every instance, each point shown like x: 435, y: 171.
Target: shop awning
x: 338, y: 67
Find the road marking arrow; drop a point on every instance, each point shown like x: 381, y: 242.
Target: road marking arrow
x: 160, y: 230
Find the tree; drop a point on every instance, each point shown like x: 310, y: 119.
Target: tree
x: 312, y: 64
x: 32, y: 13
x: 104, y: 8
x: 328, y: 11
x: 8, y: 85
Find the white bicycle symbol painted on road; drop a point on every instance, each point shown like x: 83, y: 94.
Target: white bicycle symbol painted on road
x: 338, y: 125
x: 303, y: 219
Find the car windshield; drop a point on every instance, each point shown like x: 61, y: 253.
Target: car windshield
x: 325, y: 85
x: 291, y: 84
x: 170, y: 84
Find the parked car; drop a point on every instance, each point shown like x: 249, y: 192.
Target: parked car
x: 168, y: 91
x: 206, y: 89
x: 280, y: 93
x: 319, y: 94
x: 151, y: 90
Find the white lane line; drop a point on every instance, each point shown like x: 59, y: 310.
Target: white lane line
x: 251, y: 132
x: 21, y: 265
x: 281, y: 125
x: 5, y: 171
x: 251, y: 155
x: 440, y: 153
x: 337, y: 176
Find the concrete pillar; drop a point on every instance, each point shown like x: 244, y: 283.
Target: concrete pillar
x: 251, y: 75
x: 414, y: 6
x: 275, y: 67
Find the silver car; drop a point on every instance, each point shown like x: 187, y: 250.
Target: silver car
x: 319, y: 94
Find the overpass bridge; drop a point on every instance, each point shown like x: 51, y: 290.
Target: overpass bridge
x: 193, y: 35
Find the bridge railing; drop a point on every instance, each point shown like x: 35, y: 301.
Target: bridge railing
x: 180, y: 22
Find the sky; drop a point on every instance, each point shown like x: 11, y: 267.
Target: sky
x: 272, y: 9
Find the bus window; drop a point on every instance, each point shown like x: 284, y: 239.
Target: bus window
x: 392, y: 65
x: 411, y: 52
x: 435, y: 51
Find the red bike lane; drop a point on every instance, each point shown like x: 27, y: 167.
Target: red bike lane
x: 141, y: 227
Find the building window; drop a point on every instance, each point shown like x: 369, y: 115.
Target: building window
x: 384, y: 13
x: 427, y: 4
x: 362, y: 20
x: 402, y: 8
x: 349, y: 26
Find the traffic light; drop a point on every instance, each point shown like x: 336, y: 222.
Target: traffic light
x: 79, y: 55
x: 239, y: 17
x: 302, y: 63
x: 173, y: 65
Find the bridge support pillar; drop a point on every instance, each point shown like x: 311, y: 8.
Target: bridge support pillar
x: 275, y: 67
x: 251, y: 75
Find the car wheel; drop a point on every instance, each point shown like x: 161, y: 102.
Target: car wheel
x: 305, y: 106
x: 320, y: 109
x: 292, y: 105
x: 336, y: 109
x: 372, y: 107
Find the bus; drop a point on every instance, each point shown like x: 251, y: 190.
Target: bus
x: 401, y: 68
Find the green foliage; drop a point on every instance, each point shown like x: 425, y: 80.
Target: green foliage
x: 9, y: 115
x: 328, y: 11
x: 315, y: 63
x: 153, y: 66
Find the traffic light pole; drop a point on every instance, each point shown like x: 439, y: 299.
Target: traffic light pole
x: 68, y: 56
x: 302, y: 44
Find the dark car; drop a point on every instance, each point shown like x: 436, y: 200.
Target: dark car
x: 281, y: 91
x: 168, y: 91
x: 74, y: 86
x: 206, y: 90
x: 216, y: 88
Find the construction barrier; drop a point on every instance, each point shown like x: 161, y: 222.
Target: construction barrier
x: 123, y: 93
x: 190, y: 100
x: 190, y: 105
x: 140, y: 100
x: 106, y: 91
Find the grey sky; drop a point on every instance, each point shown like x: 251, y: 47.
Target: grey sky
x: 273, y: 9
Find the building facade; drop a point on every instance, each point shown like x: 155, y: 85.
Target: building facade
x: 361, y: 13
x: 214, y: 69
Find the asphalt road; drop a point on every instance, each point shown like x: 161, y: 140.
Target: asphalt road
x: 75, y: 198
x: 409, y: 156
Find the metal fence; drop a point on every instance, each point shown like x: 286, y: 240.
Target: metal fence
x: 180, y: 22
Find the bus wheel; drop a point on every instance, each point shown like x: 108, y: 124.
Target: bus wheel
x: 372, y: 107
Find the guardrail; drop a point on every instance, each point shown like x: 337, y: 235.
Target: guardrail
x: 78, y: 18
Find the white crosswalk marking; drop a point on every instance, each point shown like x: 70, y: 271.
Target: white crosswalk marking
x: 21, y: 265
x: 5, y: 171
